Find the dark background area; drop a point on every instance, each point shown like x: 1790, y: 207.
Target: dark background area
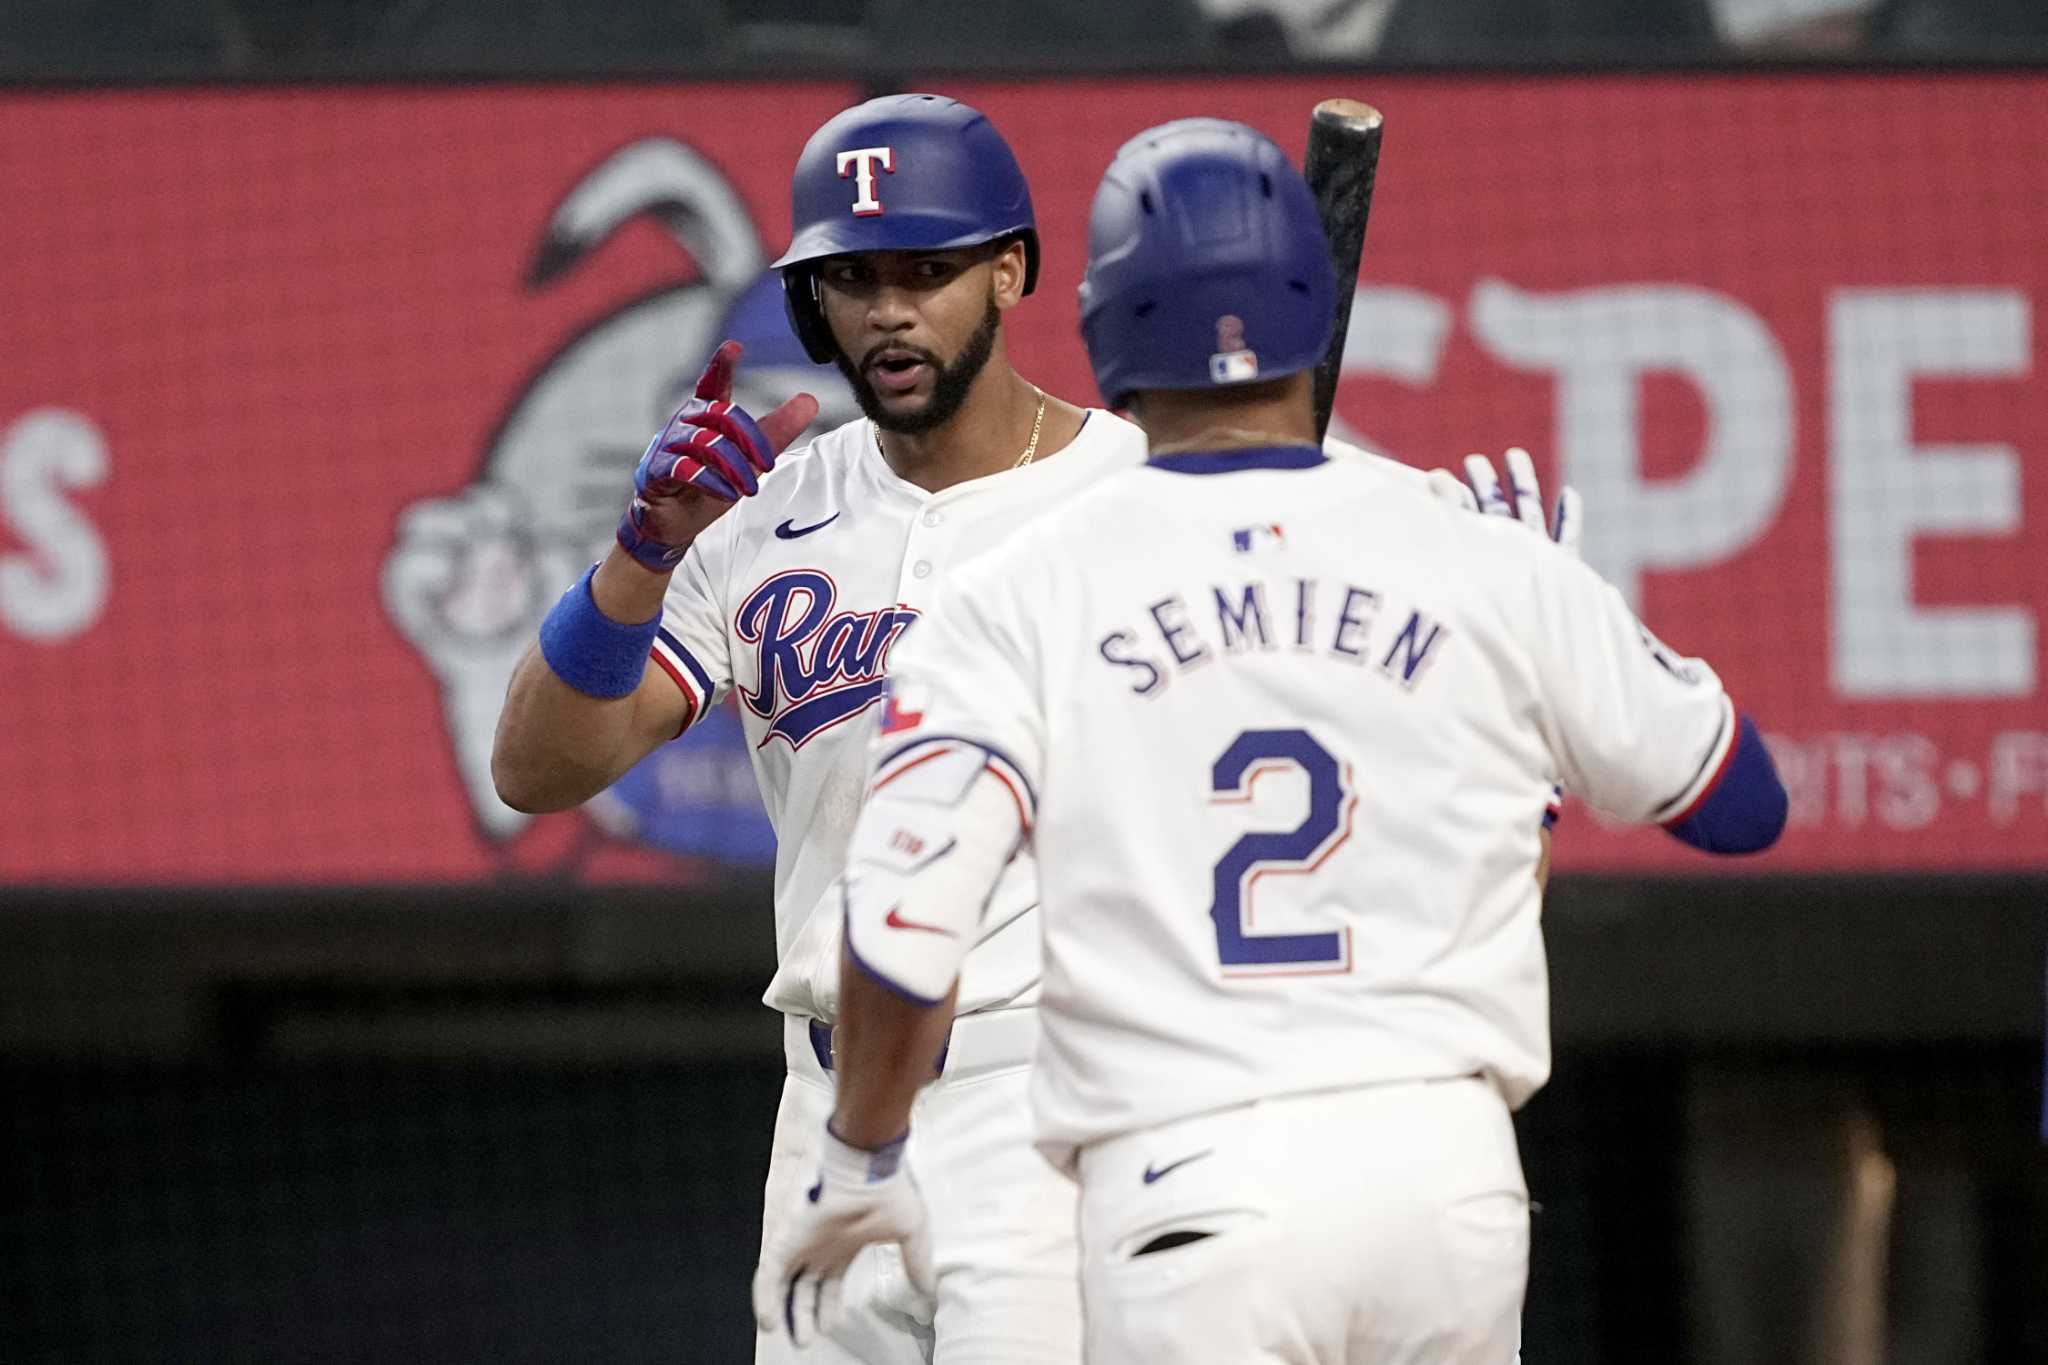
x: 526, y: 1123
x: 153, y: 39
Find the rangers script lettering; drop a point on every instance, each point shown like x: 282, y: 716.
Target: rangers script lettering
x: 817, y: 668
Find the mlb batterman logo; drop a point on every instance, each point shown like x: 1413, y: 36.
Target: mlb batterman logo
x: 860, y: 163
x: 1233, y: 362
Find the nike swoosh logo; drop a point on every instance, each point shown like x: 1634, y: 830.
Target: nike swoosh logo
x: 896, y: 921
x: 789, y: 531
x: 1170, y: 1167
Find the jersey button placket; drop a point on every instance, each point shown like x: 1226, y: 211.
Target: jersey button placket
x: 917, y: 552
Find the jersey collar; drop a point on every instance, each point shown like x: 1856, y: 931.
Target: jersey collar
x: 878, y: 463
x: 1233, y: 460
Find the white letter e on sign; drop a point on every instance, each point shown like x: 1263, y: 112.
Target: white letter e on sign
x: 863, y: 161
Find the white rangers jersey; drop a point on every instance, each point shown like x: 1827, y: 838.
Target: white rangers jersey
x: 796, y: 598
x: 1284, y: 730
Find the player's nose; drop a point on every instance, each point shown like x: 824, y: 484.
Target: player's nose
x: 891, y: 309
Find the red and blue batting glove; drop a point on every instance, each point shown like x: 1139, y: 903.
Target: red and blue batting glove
x: 709, y: 447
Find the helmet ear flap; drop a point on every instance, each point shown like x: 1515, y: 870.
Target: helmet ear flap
x: 806, y: 314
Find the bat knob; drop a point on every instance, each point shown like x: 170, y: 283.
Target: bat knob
x: 1354, y: 114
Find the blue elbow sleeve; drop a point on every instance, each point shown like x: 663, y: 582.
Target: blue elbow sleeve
x: 1743, y: 810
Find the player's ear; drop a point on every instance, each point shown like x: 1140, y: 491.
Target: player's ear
x: 1008, y: 282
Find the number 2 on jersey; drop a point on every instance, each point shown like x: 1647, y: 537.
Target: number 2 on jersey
x: 1296, y: 851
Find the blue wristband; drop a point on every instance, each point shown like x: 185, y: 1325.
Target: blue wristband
x: 1744, y: 809
x: 594, y: 654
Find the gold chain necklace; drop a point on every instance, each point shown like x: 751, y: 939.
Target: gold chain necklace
x: 1030, y: 448
x: 1036, y: 423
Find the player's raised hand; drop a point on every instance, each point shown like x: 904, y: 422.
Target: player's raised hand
x: 860, y: 1198
x: 1522, y: 499
x: 709, y: 455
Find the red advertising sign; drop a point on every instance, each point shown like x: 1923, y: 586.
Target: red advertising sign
x: 314, y: 400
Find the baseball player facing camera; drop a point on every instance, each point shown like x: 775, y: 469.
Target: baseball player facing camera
x: 1278, y: 733
x: 787, y: 578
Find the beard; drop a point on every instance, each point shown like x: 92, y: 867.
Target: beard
x: 950, y: 383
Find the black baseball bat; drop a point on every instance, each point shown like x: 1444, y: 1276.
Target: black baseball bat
x: 1343, y: 158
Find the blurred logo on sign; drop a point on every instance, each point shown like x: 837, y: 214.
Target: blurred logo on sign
x: 472, y: 573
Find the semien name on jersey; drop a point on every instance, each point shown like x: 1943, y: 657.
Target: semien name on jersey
x: 1339, y: 621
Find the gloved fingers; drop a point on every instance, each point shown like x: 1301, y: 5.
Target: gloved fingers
x: 1570, y: 524
x: 831, y: 1302
x: 677, y: 472
x: 770, y: 1278
x: 734, y: 425
x: 800, y: 1306
x: 715, y: 384
x: 1448, y: 487
x: 704, y: 448
x: 1522, y: 489
x: 787, y: 1303
x: 817, y: 1297
x: 1486, y: 486
x: 724, y: 459
x: 917, y: 1259
x: 706, y: 478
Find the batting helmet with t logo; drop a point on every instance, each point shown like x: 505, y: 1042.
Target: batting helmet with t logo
x: 899, y: 173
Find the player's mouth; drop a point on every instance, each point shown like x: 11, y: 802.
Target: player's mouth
x: 898, y: 370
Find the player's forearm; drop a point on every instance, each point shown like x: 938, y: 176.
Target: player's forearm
x: 555, y: 747
x: 887, y: 1048
x: 561, y: 739
x: 627, y: 590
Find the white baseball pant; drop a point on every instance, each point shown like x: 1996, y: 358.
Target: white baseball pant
x: 1381, y: 1225
x: 1003, y: 1219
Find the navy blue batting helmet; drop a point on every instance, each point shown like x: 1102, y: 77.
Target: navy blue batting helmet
x: 899, y: 173
x: 1207, y: 263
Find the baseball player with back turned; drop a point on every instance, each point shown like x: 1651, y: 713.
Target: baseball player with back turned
x: 913, y: 236
x: 1279, y: 730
